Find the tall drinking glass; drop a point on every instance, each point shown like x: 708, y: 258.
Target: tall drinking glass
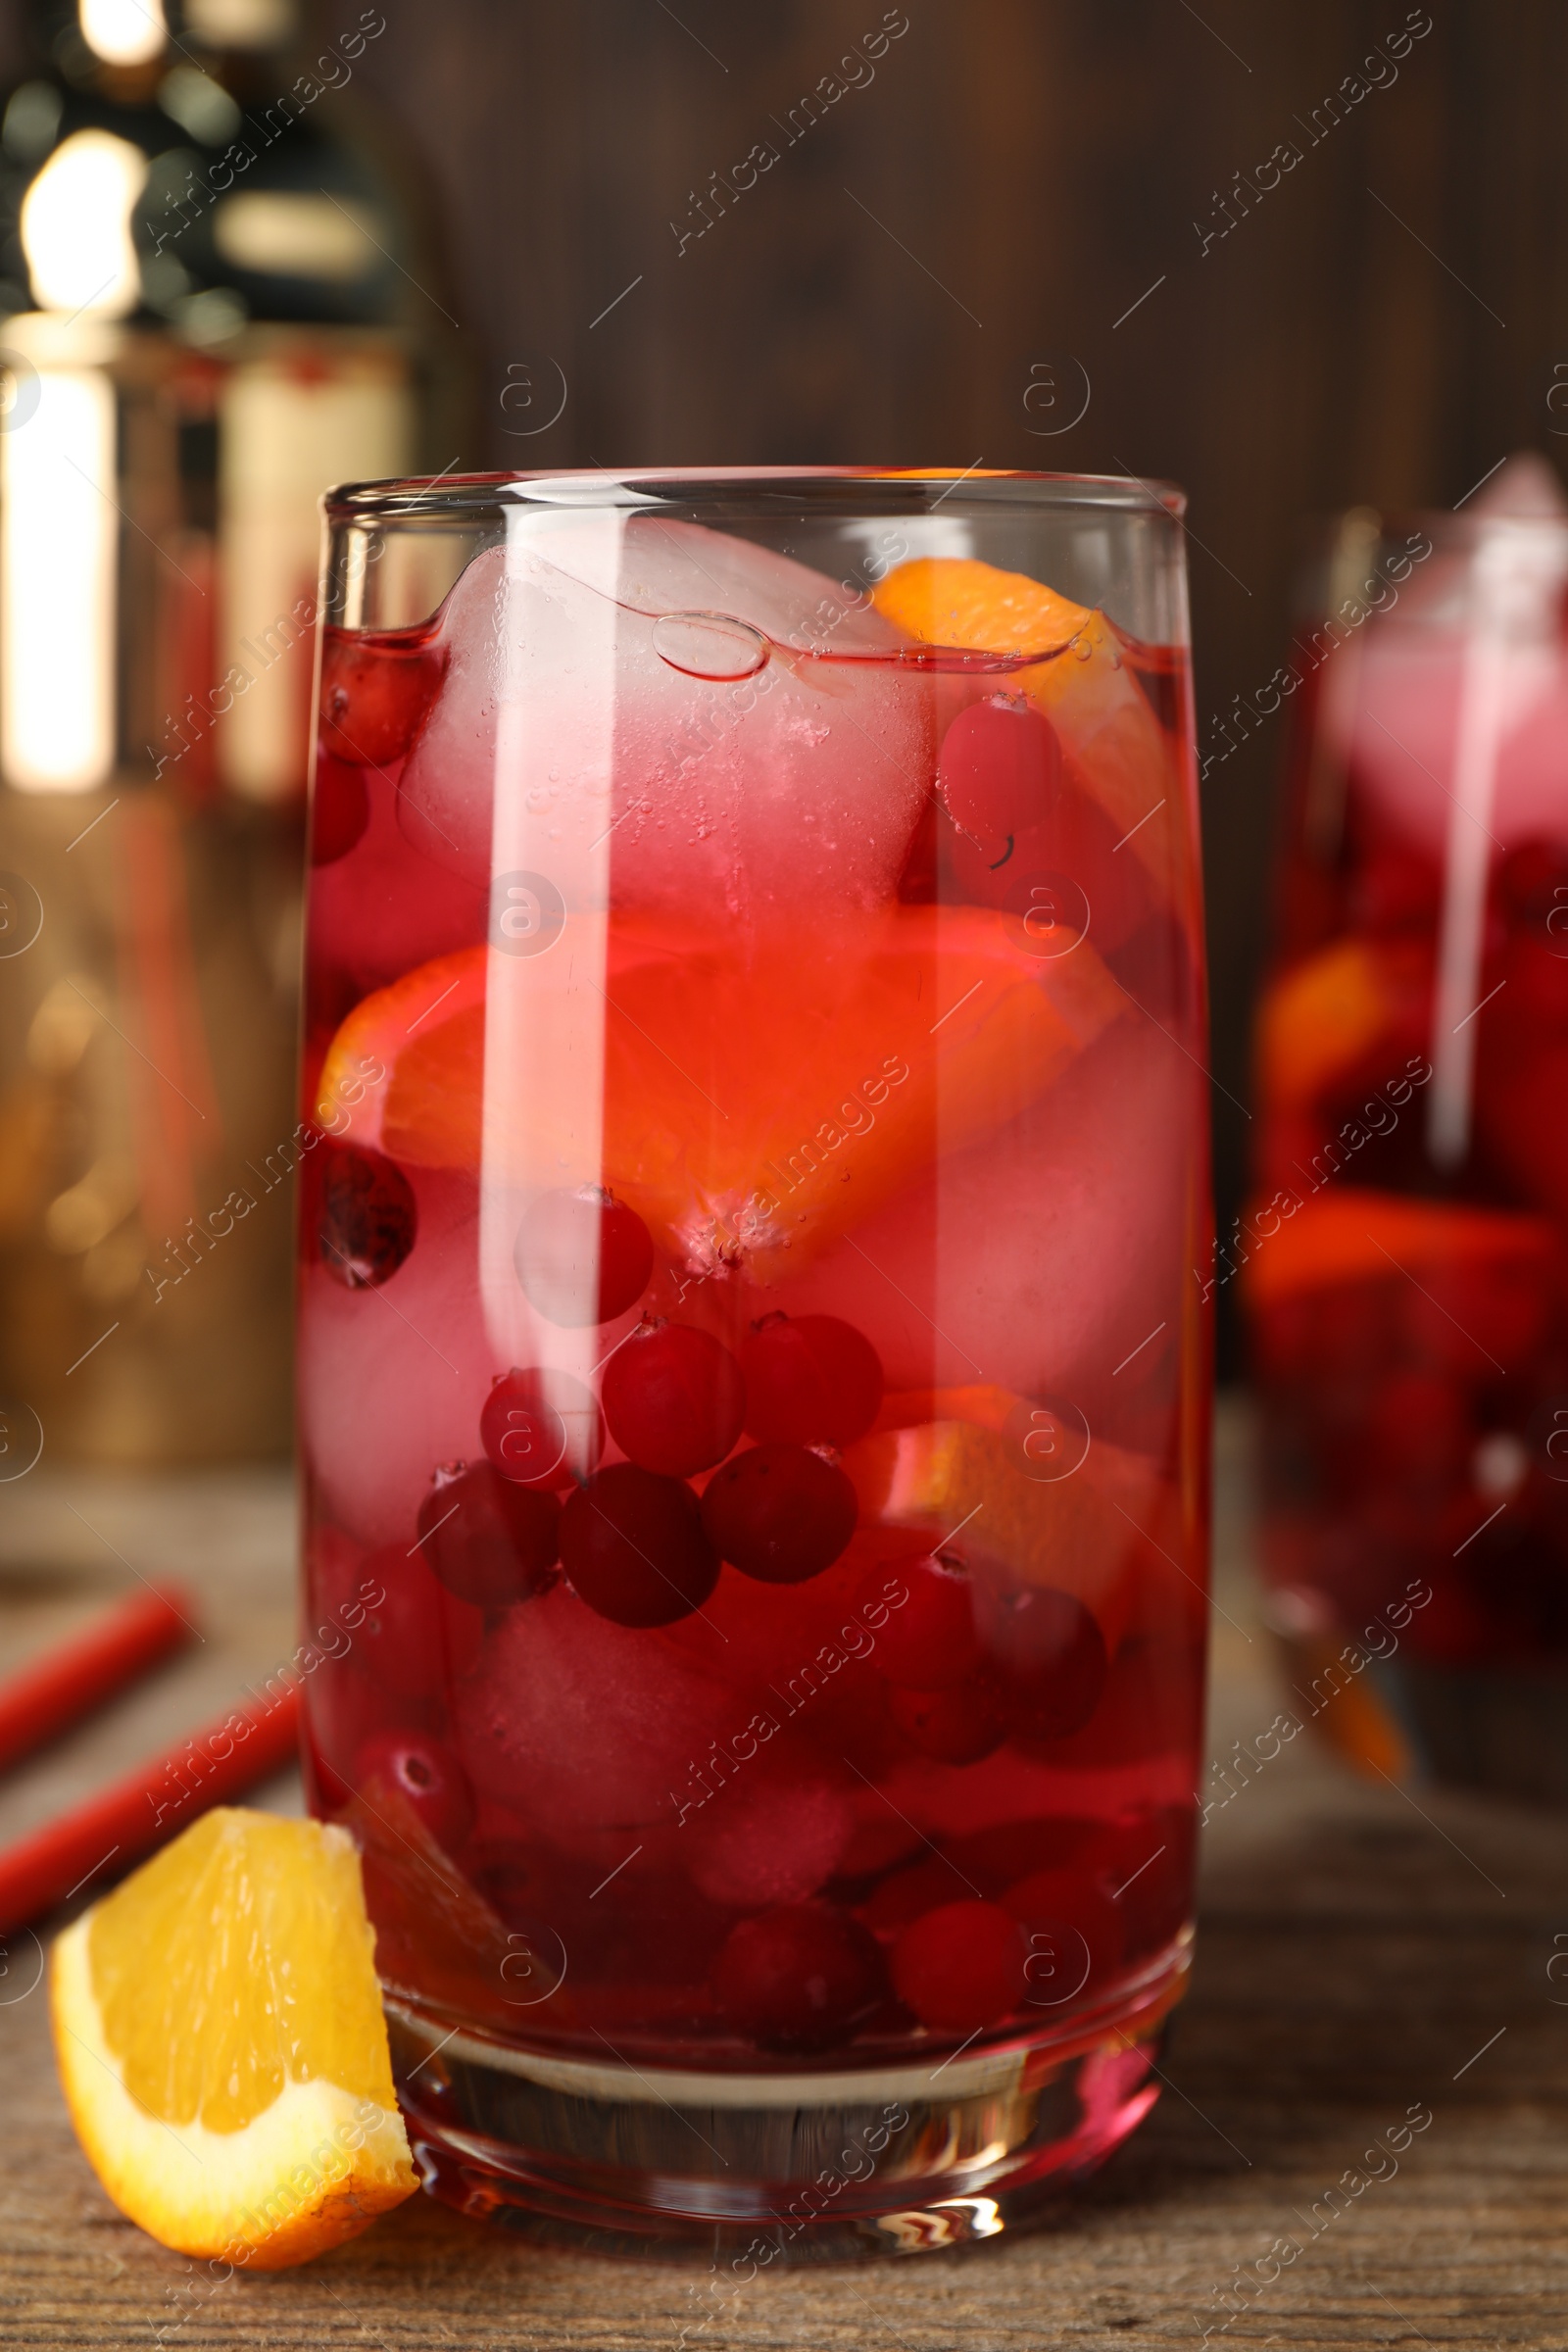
x: 753, y: 1386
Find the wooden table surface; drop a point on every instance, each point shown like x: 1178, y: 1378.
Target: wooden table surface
x: 1362, y: 1954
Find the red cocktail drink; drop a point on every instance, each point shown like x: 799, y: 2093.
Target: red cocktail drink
x: 754, y: 1388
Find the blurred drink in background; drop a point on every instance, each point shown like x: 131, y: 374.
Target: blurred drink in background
x: 1404, y: 1257
x: 217, y: 295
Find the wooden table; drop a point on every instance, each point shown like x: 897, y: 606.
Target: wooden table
x: 1362, y: 1954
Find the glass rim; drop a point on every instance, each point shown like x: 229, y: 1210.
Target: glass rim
x: 1450, y: 525
x: 827, y: 490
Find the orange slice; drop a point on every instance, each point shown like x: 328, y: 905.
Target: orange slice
x: 760, y: 1096
x: 958, y: 601
x: 1122, y: 754
x: 1319, y: 1021
x: 967, y: 1475
x: 405, y: 1073
x: 1353, y: 1234
x: 220, y: 2038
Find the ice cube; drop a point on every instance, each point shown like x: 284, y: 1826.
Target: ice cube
x: 1038, y: 1260
x: 393, y: 1379
x: 586, y: 1726
x: 747, y: 762
x: 1455, y: 713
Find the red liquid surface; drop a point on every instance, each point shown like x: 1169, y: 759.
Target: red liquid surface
x: 755, y: 1434
x: 1404, y: 1257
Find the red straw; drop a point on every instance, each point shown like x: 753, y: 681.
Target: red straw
x: 51, y: 1693
x: 147, y: 1808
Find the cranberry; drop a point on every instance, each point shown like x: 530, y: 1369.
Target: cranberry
x: 1144, y: 1866
x: 489, y: 1541
x: 929, y: 1642
x: 417, y: 1637
x: 1074, y: 1933
x: 340, y: 808
x: 908, y: 1893
x: 957, y: 1726
x: 779, y: 1513
x: 799, y: 1977
x: 1532, y: 884
x: 376, y: 689
x: 999, y: 770
x: 962, y: 1967
x: 673, y: 1399
x: 810, y: 1380
x: 541, y: 1428
x: 1418, y: 1427
x: 1396, y: 891
x: 583, y: 1257
x: 425, y: 1774
x: 632, y: 1543
x: 368, y: 1218
x: 1049, y: 1653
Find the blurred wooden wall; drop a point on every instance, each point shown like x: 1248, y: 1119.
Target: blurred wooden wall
x: 1382, y: 326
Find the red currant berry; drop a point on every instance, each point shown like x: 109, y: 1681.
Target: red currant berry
x: 583, y: 1257
x: 810, y: 1380
x: 368, y: 1220
x: 779, y: 1513
x: 673, y: 1399
x: 962, y: 1967
x: 340, y: 808
x: 541, y: 1428
x: 633, y: 1545
x: 929, y: 1642
x: 489, y: 1541
x: 1050, y: 1653
x: 425, y: 1775
x: 376, y: 689
x: 957, y: 1726
x: 999, y: 770
x: 799, y: 1977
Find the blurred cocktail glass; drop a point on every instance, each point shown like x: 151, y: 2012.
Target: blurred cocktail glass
x: 1403, y: 1260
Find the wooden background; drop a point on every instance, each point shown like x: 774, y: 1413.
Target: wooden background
x: 1382, y: 327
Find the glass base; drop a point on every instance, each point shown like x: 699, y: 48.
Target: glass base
x: 760, y: 2171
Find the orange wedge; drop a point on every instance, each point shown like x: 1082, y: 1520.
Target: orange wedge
x: 437, y: 1933
x: 220, y: 2038
x: 1320, y: 1020
x: 1352, y: 1233
x: 1124, y: 756
x: 954, y: 600
x: 964, y: 1473
x: 760, y: 1096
